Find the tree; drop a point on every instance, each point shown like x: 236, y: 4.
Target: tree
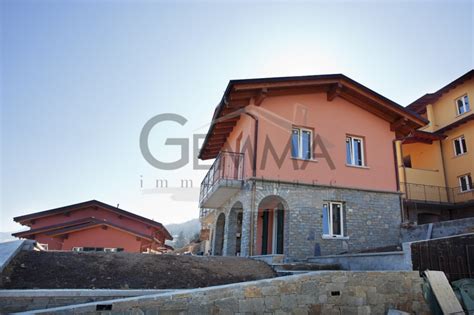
x: 180, y: 240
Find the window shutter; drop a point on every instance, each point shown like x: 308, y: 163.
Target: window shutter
x: 463, y: 143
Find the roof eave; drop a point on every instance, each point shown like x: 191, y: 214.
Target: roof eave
x: 416, y: 119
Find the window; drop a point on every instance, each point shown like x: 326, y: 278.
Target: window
x: 333, y: 225
x: 301, y: 143
x: 112, y: 250
x: 462, y: 105
x: 77, y: 249
x: 465, y: 182
x: 355, y: 151
x: 459, y: 146
x: 93, y: 249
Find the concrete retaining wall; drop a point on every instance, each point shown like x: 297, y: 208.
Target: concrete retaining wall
x: 369, y: 261
x: 439, y: 229
x: 340, y: 292
x: 27, y: 300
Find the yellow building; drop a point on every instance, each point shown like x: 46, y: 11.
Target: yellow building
x: 436, y: 162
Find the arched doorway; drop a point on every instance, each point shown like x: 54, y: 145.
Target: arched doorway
x: 234, y: 230
x: 219, y: 235
x: 271, y: 226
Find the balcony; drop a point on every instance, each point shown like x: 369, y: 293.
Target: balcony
x: 223, y: 180
x: 436, y: 194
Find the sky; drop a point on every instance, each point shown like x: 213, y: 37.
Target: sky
x: 79, y: 80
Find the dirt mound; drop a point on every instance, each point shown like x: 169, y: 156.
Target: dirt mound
x: 73, y: 270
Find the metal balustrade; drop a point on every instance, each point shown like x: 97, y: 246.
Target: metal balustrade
x: 227, y: 166
x: 436, y: 194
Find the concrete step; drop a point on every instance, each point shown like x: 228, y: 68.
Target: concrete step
x: 269, y: 259
x: 283, y: 272
x: 305, y: 266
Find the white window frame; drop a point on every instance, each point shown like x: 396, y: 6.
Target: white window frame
x: 110, y: 249
x: 78, y: 249
x: 362, y: 149
x: 465, y: 109
x: 330, y: 210
x: 468, y: 182
x: 461, y: 139
x: 300, y: 146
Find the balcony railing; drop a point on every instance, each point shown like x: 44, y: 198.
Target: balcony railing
x: 228, y: 166
x: 436, y: 194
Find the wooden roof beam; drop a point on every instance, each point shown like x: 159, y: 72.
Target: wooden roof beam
x: 402, y: 122
x: 334, y: 91
x: 238, y: 103
x: 365, y: 105
x: 269, y: 85
x: 234, y: 96
x: 222, y: 131
x: 262, y: 94
x: 297, y: 90
x: 225, y: 124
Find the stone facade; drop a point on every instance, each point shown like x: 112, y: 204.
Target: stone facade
x: 339, y: 292
x: 371, y: 218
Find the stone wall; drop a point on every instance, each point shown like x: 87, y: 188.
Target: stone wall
x: 372, y: 219
x: 439, y: 229
x: 338, y: 292
x: 12, y: 301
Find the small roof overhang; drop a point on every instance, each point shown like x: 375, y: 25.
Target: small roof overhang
x: 418, y: 136
x: 419, y: 106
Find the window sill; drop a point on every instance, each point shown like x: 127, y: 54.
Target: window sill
x: 466, y: 191
x: 460, y: 155
x: 358, y: 166
x: 304, y: 160
x: 459, y: 115
x: 329, y: 237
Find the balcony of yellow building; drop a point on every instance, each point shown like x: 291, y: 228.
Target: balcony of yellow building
x: 421, y: 173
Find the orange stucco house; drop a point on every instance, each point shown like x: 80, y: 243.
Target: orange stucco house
x: 303, y: 166
x: 94, y: 226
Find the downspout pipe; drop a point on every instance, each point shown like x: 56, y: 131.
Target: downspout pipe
x: 254, y: 187
x: 255, y: 142
x: 398, y: 165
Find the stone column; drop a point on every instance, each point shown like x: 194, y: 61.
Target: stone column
x: 245, y: 241
x: 230, y: 234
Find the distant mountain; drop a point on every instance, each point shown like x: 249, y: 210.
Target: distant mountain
x: 188, y: 228
x: 6, y: 236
